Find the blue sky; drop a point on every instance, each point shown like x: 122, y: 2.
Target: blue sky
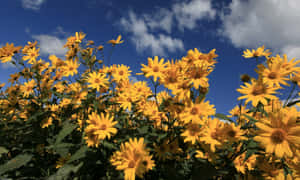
x: 166, y: 28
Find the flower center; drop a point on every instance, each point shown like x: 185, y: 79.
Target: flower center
x: 258, y: 90
x: 194, y: 129
x: 97, y: 80
x: 256, y: 54
x: 231, y: 133
x: 278, y: 136
x: 155, y: 69
x: 131, y: 164
x: 194, y: 111
x: 121, y: 73
x: 103, y: 127
x: 272, y: 75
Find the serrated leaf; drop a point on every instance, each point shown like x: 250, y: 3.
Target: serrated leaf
x: 15, y: 163
x: 66, y: 130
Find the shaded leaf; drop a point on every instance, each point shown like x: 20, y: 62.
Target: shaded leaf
x: 15, y: 163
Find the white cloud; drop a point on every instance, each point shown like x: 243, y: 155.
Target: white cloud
x: 273, y: 23
x: 144, y: 39
x: 188, y: 13
x: 133, y: 79
x: 7, y: 65
x: 32, y: 4
x: 51, y: 45
x: 152, y: 31
x: 161, y: 20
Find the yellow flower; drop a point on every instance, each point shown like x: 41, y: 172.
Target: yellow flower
x: 31, y: 55
x: 198, y: 76
x: 241, y: 165
x: 70, y: 68
x: 117, y: 41
x: 121, y: 73
x: 133, y: 158
x: 97, y: 80
x: 192, y: 132
x: 279, y: 132
x: 212, y: 133
x: 195, y: 111
x: 233, y: 133
x: 62, y: 160
x: 275, y: 74
x: 256, y: 53
x: 99, y: 128
x: 8, y: 51
x: 154, y: 68
x: 257, y: 92
x: 28, y: 87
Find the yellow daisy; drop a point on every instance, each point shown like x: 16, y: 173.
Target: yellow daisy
x: 279, y: 132
x: 31, y: 55
x: 99, y: 128
x: 154, y: 68
x: 97, y: 80
x: 257, y: 53
x: 70, y: 68
x: 257, y: 92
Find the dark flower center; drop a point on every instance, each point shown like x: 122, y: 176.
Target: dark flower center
x: 278, y: 136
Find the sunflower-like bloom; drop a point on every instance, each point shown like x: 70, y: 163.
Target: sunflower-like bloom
x: 195, y: 111
x: 241, y: 165
x: 256, y: 53
x: 31, y: 55
x: 197, y: 58
x: 212, y: 133
x: 233, y: 133
x: 117, y: 41
x: 121, y: 73
x: 279, y: 132
x: 70, y: 68
x: 99, y: 128
x: 73, y: 41
x: 257, y: 92
x: 8, y: 51
x: 198, y: 75
x: 133, y: 158
x: 28, y: 87
x: 154, y: 68
x: 192, y: 132
x: 97, y: 80
x: 275, y: 74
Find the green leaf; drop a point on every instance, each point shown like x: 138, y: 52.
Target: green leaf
x: 79, y: 154
x: 223, y: 116
x: 249, y: 153
x: 66, y: 130
x: 64, y: 172
x: 15, y: 163
x: 143, y: 130
x: 109, y: 145
x: 251, y: 119
x: 3, y: 150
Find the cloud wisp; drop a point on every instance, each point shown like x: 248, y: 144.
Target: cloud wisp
x: 153, y: 32
x: 32, y: 4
